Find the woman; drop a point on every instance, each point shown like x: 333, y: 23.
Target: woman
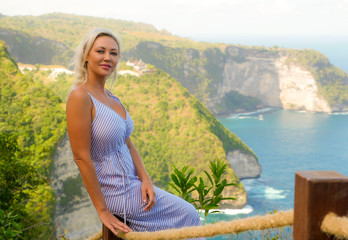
x: 99, y: 129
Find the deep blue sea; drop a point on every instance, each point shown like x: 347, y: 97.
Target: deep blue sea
x: 285, y: 142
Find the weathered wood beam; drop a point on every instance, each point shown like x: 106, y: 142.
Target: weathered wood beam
x: 316, y: 194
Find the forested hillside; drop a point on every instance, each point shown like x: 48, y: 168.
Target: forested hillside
x: 199, y: 67
x: 171, y: 125
x: 32, y: 121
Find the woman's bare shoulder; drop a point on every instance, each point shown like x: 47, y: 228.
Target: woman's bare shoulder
x: 78, y: 93
x: 78, y: 96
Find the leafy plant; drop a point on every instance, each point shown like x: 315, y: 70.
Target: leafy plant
x: 208, y: 201
x: 183, y: 183
x: 209, y: 196
x: 9, y: 229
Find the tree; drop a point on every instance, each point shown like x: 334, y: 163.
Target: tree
x: 16, y: 176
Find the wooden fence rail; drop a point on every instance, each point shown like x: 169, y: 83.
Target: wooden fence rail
x: 317, y: 193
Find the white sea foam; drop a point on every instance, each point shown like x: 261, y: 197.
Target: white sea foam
x: 232, y: 211
x: 272, y: 193
x: 339, y: 113
x: 245, y: 115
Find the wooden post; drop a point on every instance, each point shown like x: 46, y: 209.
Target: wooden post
x: 316, y: 194
x: 108, y: 235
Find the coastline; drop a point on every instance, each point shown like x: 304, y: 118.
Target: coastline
x: 241, y: 114
x: 269, y: 109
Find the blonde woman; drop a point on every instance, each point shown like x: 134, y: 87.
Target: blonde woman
x: 99, y: 129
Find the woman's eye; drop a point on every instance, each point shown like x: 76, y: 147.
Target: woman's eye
x: 114, y: 53
x: 100, y: 51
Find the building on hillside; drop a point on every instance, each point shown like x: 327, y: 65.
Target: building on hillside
x: 139, y: 66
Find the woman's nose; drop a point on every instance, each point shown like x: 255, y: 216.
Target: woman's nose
x: 107, y: 56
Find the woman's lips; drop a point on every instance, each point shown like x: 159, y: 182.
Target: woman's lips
x: 105, y: 66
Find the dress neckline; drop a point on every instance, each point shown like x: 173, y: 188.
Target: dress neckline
x: 111, y: 96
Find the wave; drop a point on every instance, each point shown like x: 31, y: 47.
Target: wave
x: 232, y: 211
x: 246, y: 114
x: 272, y: 193
x: 339, y: 113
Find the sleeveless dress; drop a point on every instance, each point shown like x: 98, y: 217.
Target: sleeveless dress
x: 118, y: 180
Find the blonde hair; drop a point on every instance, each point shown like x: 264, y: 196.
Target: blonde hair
x: 79, y: 59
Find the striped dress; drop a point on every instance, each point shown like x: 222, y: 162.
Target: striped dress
x: 118, y: 180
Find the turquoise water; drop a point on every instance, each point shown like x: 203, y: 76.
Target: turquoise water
x: 286, y: 142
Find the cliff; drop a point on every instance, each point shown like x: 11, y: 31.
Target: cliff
x: 74, y: 209
x: 226, y: 78
x: 35, y: 49
x: 246, y: 78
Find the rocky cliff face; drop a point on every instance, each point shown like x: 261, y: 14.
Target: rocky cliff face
x: 298, y: 89
x: 260, y: 73
x: 74, y: 209
x: 34, y: 49
x: 271, y: 79
x: 244, y: 165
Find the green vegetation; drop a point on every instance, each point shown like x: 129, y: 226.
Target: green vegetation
x: 332, y: 81
x: 166, y: 117
x: 69, y: 29
x: 32, y: 121
x: 35, y: 49
x: 208, y: 196
x: 60, y: 84
x: 199, y: 66
x: 172, y: 126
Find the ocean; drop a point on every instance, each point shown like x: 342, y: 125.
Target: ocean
x: 285, y: 142
x: 334, y: 47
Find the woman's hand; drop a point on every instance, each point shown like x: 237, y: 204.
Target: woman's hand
x: 112, y: 223
x: 149, y: 194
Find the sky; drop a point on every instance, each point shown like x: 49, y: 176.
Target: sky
x: 317, y: 24
x: 191, y: 18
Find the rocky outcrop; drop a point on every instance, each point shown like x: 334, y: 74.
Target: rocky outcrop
x: 260, y: 73
x: 251, y: 74
x: 298, y: 89
x: 74, y: 209
x: 269, y: 78
x: 35, y: 49
x: 244, y: 164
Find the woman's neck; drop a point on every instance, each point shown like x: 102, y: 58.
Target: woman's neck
x: 96, y: 85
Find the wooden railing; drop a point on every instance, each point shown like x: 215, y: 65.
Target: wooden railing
x: 321, y: 207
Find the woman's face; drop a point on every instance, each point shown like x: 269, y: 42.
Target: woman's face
x: 102, y: 58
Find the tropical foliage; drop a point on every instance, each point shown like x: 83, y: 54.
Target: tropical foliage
x: 205, y: 197
x: 32, y: 121
x: 172, y: 126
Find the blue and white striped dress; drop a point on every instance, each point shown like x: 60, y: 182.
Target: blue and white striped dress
x: 118, y: 180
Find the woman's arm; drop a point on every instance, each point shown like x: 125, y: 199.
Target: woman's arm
x: 79, y: 119
x: 148, y: 193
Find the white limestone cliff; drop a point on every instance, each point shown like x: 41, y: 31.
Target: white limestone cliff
x: 270, y: 79
x: 298, y: 89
